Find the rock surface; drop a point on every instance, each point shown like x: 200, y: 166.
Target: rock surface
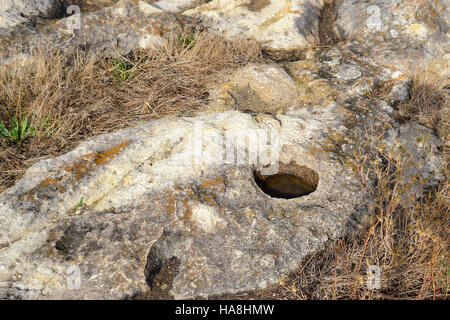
x: 125, y: 207
x: 109, y: 31
x: 113, y: 30
x: 171, y: 207
x: 133, y: 24
x: 142, y: 189
x: 398, y: 34
x: 177, y: 6
x: 280, y: 24
x: 259, y: 88
x: 15, y: 12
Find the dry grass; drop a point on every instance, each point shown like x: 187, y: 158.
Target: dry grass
x: 70, y: 98
x: 408, y: 240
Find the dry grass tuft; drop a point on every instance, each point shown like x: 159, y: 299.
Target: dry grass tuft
x: 430, y: 102
x: 69, y: 98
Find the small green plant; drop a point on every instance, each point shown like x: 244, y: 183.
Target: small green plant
x: 79, y: 205
x: 186, y: 40
x: 18, y: 132
x: 122, y: 70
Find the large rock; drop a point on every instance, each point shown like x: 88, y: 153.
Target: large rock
x: 278, y: 24
x: 259, y: 88
x: 398, y: 34
x: 117, y: 29
x: 149, y: 188
x: 15, y: 12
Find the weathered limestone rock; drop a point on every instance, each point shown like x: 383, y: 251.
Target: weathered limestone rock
x: 259, y: 88
x: 120, y: 28
x: 280, y: 24
x: 142, y: 187
x: 397, y: 34
x: 15, y: 12
x: 417, y: 153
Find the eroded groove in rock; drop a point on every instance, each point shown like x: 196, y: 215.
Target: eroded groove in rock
x: 153, y: 266
x: 279, y: 24
x: 159, y: 273
x: 328, y: 16
x: 99, y: 32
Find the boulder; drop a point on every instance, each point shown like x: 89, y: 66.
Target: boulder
x: 109, y: 31
x: 121, y: 206
x: 398, y: 34
x: 280, y: 24
x: 15, y: 12
x: 259, y: 88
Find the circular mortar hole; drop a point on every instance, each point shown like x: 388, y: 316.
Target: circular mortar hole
x: 291, y: 181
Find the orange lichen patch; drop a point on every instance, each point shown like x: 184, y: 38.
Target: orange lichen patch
x: 171, y: 202
x: 187, y: 211
x: 107, y: 155
x: 207, y: 183
x: 49, y: 181
x: 86, y: 163
x: 154, y: 30
x: 332, y: 141
x: 349, y: 163
x: 29, y: 194
x: 218, y: 181
x: 78, y: 170
x: 209, y: 199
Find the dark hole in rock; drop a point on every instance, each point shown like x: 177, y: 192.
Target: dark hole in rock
x: 152, y: 268
x: 291, y: 181
x: 159, y: 274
